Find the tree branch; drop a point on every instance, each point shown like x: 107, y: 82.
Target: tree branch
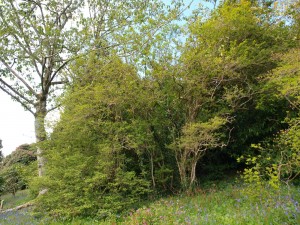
x: 53, y: 108
x: 16, y: 92
x: 26, y: 205
x: 27, y: 49
x: 18, y: 100
x: 58, y: 82
x: 61, y: 67
x: 58, y: 19
x: 19, y: 77
x: 29, y: 52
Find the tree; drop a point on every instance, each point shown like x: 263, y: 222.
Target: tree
x: 12, y: 180
x: 39, y: 39
x: 36, y: 45
x: 18, y: 168
x: 275, y: 159
x: 284, y: 153
x: 220, y: 74
x: 94, y: 166
x: 24, y: 154
x: 195, y: 140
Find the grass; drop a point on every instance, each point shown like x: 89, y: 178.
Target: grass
x: 16, y: 217
x: 21, y: 217
x: 11, y: 201
x: 232, y: 205
x: 226, y: 204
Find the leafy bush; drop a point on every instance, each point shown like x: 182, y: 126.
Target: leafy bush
x: 278, y: 158
x: 12, y: 180
x: 18, y: 168
x: 24, y: 154
x: 93, y: 166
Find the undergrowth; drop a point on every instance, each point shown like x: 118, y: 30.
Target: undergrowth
x: 11, y: 201
x: 220, y: 204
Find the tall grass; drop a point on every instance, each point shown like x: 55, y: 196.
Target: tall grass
x: 226, y: 204
x: 16, y: 217
x: 231, y: 205
x: 11, y: 201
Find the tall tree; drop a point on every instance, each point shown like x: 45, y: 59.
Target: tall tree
x: 39, y: 39
x: 36, y: 45
x: 223, y: 62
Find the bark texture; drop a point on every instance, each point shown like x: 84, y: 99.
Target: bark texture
x: 40, y: 132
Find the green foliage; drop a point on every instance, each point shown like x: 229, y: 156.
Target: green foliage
x: 232, y: 54
x: 21, y: 197
x: 12, y: 179
x: 289, y: 145
x: 222, y: 63
x: 294, y: 13
x: 39, y: 40
x: 222, y: 203
x: 229, y: 205
x: 149, y: 123
x: 278, y: 160
x: 2, y: 183
x: 284, y: 80
x: 18, y: 168
x: 24, y: 154
x: 196, y: 139
x: 94, y: 152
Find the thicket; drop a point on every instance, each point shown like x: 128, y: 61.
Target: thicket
x: 127, y: 134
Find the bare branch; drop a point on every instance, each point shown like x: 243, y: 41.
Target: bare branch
x: 19, y: 77
x: 27, y: 49
x: 58, y: 19
x: 59, y: 82
x: 26, y: 205
x: 33, y: 58
x: 53, y: 108
x: 293, y: 104
x: 17, y: 93
x: 60, y: 68
x: 17, y: 99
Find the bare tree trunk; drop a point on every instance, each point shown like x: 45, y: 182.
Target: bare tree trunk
x: 152, y: 170
x: 193, y: 173
x: 181, y: 163
x: 40, y: 132
x: 1, y: 204
x: 26, y: 205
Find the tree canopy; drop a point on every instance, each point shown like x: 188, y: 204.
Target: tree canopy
x: 39, y: 39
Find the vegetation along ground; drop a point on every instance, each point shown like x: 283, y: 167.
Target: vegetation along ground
x: 224, y: 203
